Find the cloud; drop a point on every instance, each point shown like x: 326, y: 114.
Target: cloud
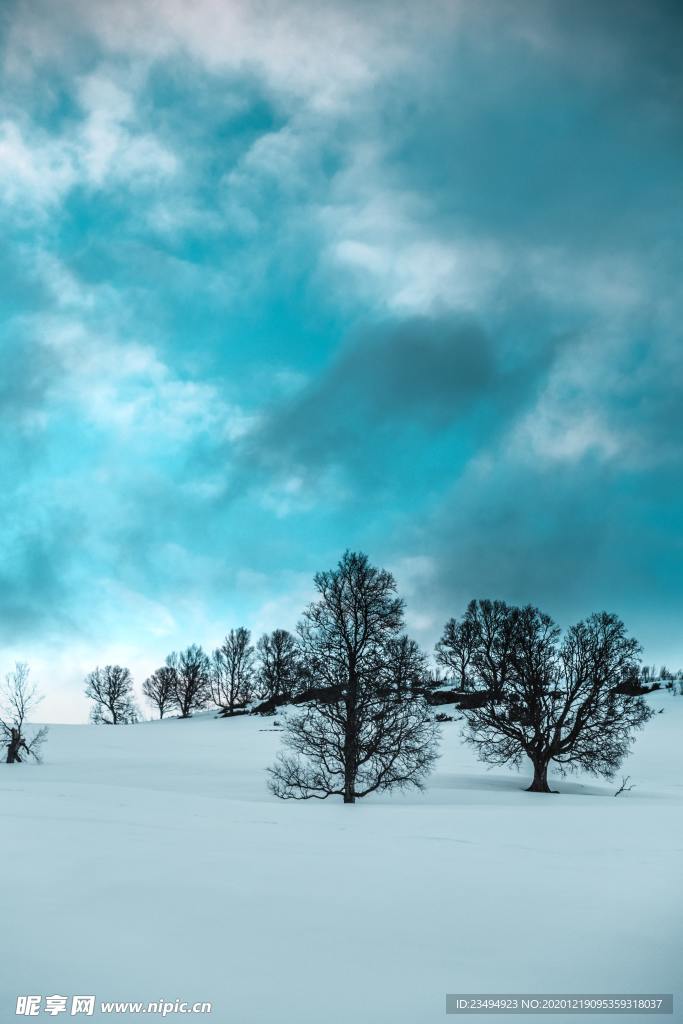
x: 380, y: 241
x: 36, y: 578
x: 125, y: 386
x: 103, y: 148
x: 320, y: 54
x: 572, y: 539
x: 390, y: 391
x: 38, y: 171
x: 424, y: 371
x: 109, y: 146
x: 24, y: 384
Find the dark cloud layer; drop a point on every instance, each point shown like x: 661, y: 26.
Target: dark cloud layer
x: 424, y: 374
x: 573, y: 540
x: 556, y: 124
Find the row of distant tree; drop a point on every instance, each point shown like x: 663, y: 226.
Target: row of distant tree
x: 665, y: 676
x: 230, y: 679
x: 274, y: 672
x: 236, y: 677
x: 364, y: 695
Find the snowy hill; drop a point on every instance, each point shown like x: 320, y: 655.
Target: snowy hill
x: 150, y: 862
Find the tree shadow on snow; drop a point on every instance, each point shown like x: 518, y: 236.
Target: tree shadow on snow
x: 497, y: 783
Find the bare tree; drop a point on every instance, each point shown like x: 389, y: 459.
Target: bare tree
x: 159, y: 689
x: 111, y: 691
x: 360, y: 733
x: 455, y: 651
x: 17, y: 699
x: 232, y: 672
x: 624, y: 787
x: 408, y: 671
x: 567, y: 702
x: 280, y: 670
x: 191, y: 679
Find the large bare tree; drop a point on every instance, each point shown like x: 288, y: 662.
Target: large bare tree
x: 528, y: 691
x: 359, y: 733
x: 191, y: 679
x: 111, y: 691
x: 232, y: 672
x: 18, y: 698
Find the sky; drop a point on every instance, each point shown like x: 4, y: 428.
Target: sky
x: 285, y: 278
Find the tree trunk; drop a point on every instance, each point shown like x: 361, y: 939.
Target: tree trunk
x: 14, y: 747
x: 349, y: 767
x: 540, y: 783
x: 350, y: 741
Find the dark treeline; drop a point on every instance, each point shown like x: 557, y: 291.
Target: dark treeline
x: 359, y: 695
x: 362, y: 694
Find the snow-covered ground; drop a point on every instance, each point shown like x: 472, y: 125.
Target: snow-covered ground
x: 150, y: 862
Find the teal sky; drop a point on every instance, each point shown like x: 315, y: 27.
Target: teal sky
x: 284, y: 278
